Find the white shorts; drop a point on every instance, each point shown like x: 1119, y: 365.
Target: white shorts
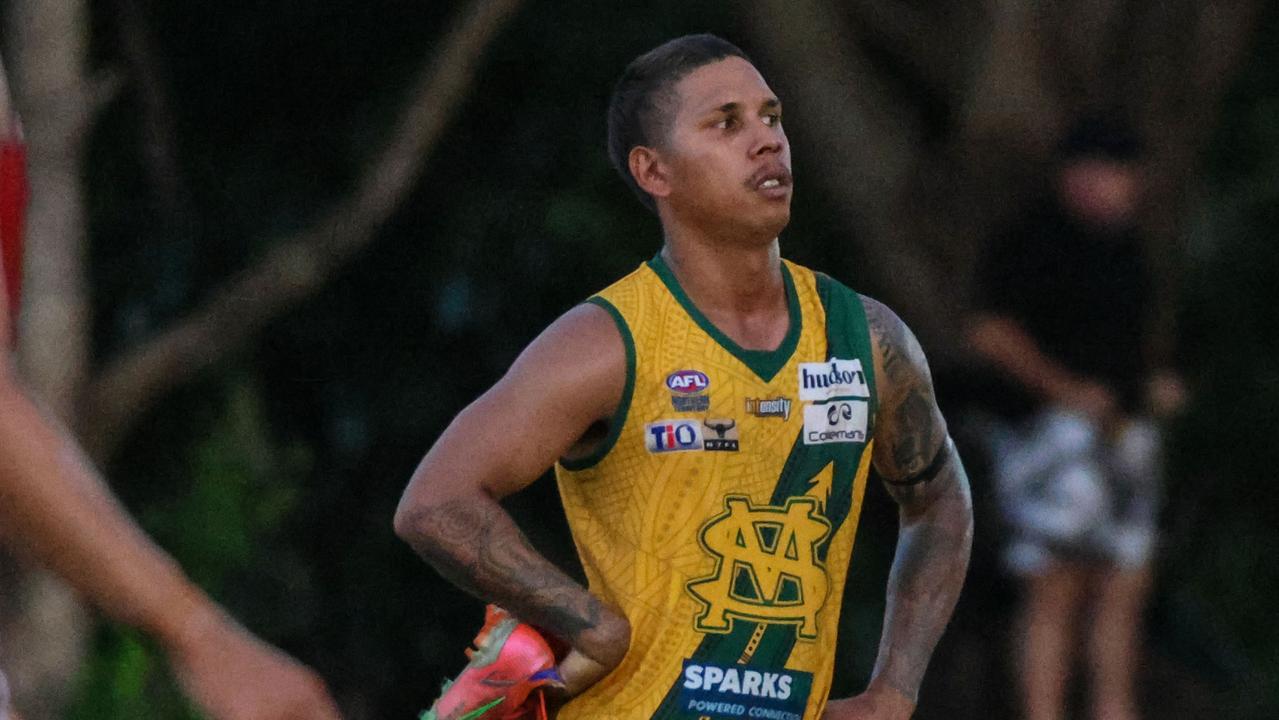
x: 1069, y: 493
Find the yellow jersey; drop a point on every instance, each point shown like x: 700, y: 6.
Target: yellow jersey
x: 720, y: 512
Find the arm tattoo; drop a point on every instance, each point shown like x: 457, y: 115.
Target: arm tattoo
x: 927, y: 474
x: 914, y: 431
x: 477, y: 546
x: 911, y: 431
x: 923, y: 473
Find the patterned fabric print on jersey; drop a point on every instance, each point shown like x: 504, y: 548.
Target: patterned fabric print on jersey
x: 728, y: 557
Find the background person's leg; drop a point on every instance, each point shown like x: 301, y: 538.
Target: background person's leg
x: 1048, y: 634
x: 1115, y: 641
x: 5, y: 712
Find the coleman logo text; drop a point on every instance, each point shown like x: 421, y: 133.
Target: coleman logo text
x: 840, y: 421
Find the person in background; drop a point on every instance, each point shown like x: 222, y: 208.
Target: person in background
x: 1063, y: 302
x: 56, y: 509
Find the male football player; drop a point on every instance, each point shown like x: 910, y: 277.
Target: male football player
x: 712, y: 419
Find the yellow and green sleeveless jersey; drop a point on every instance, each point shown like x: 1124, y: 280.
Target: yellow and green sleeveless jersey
x: 719, y: 514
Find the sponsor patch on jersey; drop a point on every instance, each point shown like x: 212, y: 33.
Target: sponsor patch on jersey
x: 778, y: 407
x: 673, y: 436
x: 688, y: 382
x: 688, y: 390
x: 840, y: 421
x: 834, y: 378
x: 720, y: 434
x: 743, y: 691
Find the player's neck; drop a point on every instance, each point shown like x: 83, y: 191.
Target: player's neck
x: 739, y: 288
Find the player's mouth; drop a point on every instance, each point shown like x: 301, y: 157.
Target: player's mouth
x: 771, y: 181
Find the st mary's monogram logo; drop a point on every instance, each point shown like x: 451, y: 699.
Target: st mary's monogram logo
x: 766, y: 566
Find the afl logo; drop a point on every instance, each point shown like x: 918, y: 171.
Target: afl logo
x: 687, y: 382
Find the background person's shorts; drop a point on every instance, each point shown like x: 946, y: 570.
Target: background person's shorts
x: 1068, y: 493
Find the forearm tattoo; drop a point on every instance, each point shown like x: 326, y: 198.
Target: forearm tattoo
x: 477, y: 546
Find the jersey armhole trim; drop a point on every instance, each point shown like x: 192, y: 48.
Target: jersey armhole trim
x: 618, y: 420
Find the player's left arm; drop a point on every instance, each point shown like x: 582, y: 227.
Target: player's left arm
x: 915, y: 458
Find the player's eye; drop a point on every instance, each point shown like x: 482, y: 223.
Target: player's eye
x: 773, y: 119
x: 727, y: 123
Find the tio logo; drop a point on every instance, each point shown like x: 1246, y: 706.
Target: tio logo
x: 673, y: 436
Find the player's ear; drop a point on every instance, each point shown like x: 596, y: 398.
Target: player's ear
x: 649, y: 171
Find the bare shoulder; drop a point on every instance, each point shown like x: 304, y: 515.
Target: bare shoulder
x: 580, y: 359
x: 586, y: 336
x: 587, y: 323
x: 569, y: 378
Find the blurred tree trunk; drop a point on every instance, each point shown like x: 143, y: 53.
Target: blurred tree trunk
x: 42, y: 626
x: 45, y: 629
x: 933, y: 122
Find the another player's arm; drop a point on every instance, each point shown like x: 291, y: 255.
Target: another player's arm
x: 566, y: 382
x: 55, y: 507
x: 918, y: 463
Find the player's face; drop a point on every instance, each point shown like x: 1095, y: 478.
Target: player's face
x: 727, y: 157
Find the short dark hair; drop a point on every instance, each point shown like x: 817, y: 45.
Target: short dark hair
x: 641, y: 98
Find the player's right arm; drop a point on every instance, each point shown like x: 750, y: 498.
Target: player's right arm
x: 560, y: 390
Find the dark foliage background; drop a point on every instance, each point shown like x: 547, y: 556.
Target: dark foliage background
x: 274, y: 477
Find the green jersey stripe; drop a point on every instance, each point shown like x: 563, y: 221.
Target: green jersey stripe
x: 847, y: 337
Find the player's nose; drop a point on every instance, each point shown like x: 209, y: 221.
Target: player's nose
x: 767, y: 140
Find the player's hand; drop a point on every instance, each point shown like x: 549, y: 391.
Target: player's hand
x: 578, y: 672
x: 584, y: 666
x: 874, y: 704
x: 233, y: 675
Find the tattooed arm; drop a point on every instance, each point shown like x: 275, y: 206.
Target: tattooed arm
x: 923, y: 473
x: 560, y: 391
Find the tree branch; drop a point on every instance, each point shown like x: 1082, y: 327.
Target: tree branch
x: 299, y: 264
x: 170, y: 198
x: 929, y: 41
